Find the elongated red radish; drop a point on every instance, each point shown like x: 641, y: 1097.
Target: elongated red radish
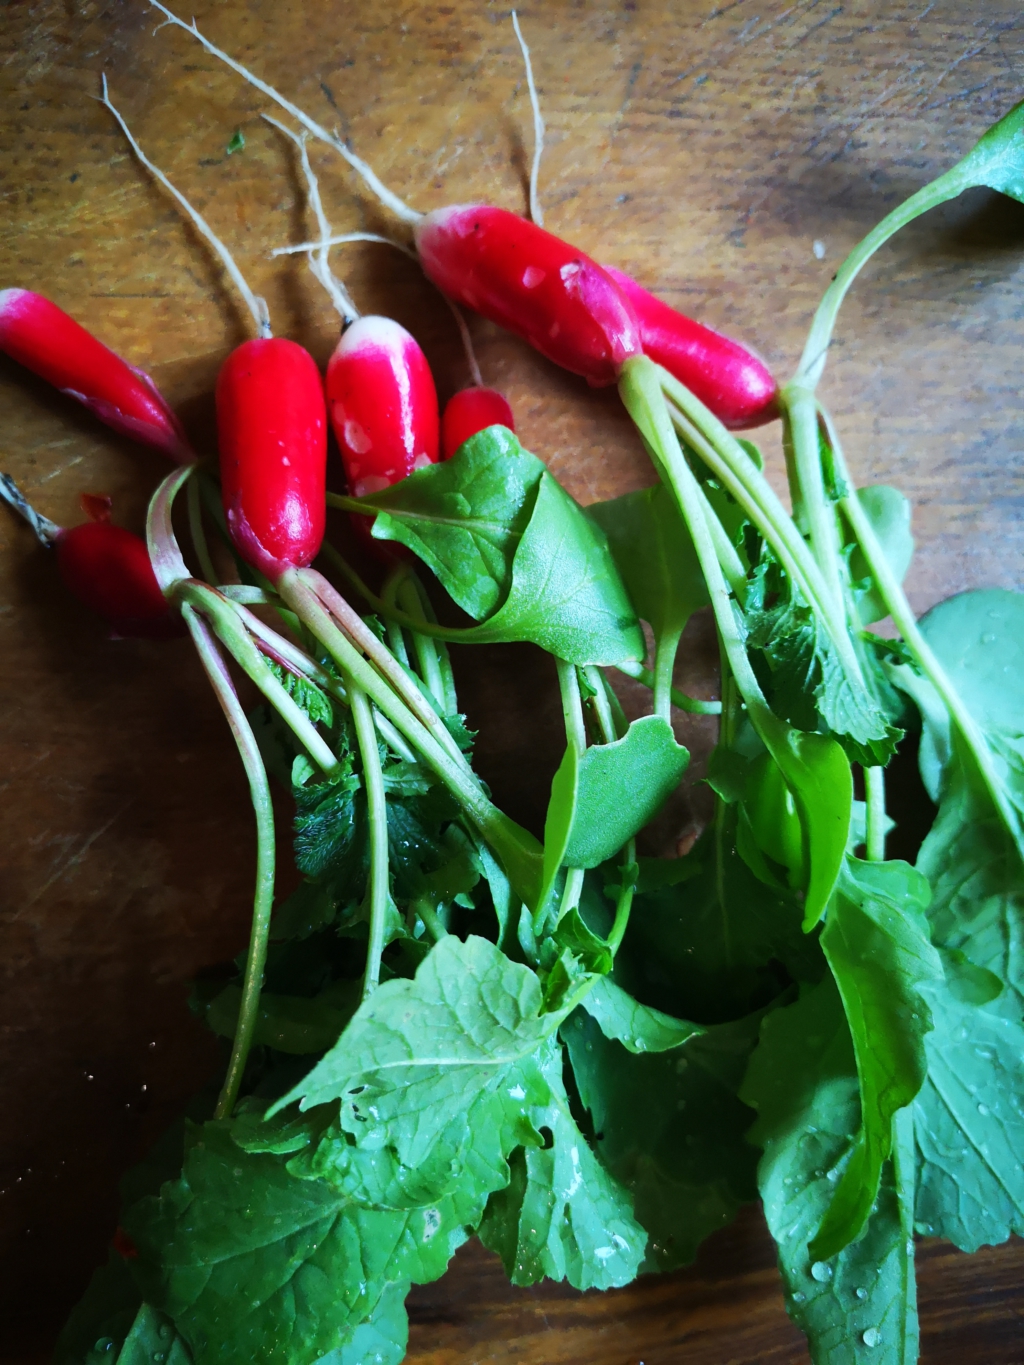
x: 737, y: 387
x: 532, y: 283
x: 470, y: 411
x: 43, y: 338
x: 272, y: 434
x: 271, y: 424
x: 106, y: 567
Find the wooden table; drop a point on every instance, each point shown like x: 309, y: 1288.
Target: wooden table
x: 729, y: 157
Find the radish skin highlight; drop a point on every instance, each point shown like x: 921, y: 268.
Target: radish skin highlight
x: 43, y: 338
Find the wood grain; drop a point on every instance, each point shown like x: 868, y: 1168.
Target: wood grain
x: 706, y: 149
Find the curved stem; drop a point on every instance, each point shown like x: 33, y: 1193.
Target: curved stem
x: 360, y: 634
x: 812, y: 362
x: 874, y: 790
x: 198, y: 531
x: 232, y: 633
x: 602, y: 709
x: 263, y: 900
x: 376, y: 802
x: 426, y: 650
x: 517, y: 850
x: 821, y: 518
x: 694, y: 705
x: 625, y: 901
x: 572, y: 704
x: 665, y: 651
x: 906, y: 623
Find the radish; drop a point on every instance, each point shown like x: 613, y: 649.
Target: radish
x: 271, y: 425
x: 728, y: 379
x: 43, y: 338
x: 105, y: 566
x: 470, y: 411
x: 585, y: 318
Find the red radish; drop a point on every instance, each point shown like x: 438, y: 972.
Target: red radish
x: 105, y: 566
x: 737, y: 387
x: 43, y: 338
x: 272, y: 429
x: 532, y: 283
x: 271, y: 423
x: 470, y: 411
x: 382, y: 404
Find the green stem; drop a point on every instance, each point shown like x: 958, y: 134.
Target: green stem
x: 224, y: 617
x: 431, y: 919
x: 198, y: 531
x: 376, y: 802
x: 426, y: 650
x: 802, y: 412
x: 403, y: 683
x: 576, y: 735
x: 572, y: 704
x: 812, y: 362
x: 736, y: 471
x: 640, y: 387
x: 600, y: 703
x: 904, y: 1160
x: 571, y: 891
x: 874, y: 790
x: 263, y: 901
x: 694, y: 705
x: 396, y: 636
x: 664, y: 665
x: 906, y: 623
x: 516, y: 849
x: 625, y: 901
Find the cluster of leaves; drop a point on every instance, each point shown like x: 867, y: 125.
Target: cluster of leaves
x: 592, y: 1110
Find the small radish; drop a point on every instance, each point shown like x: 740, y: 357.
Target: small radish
x: 43, y: 338
x: 382, y: 404
x: 737, y: 387
x: 105, y: 566
x: 470, y: 411
x: 381, y: 397
x: 271, y: 424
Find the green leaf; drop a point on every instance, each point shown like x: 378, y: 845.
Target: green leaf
x: 888, y: 511
x: 465, y: 517
x: 802, y: 1080
x: 969, y: 1118
x: 804, y: 676
x: 655, y: 556
x: 817, y: 772
x: 621, y: 787
x: 305, y: 694
x: 105, y: 1313
x: 979, y: 639
x: 637, y: 1027
x: 328, y: 825
x: 670, y: 1128
x: 313, y: 1265
x: 237, y: 142
x: 716, y: 943
x: 589, y: 950
x: 152, y: 1335
x: 289, y: 1023
x: 876, y: 941
x: 566, y: 594
x: 382, y: 1339
x: 562, y: 1215
x: 997, y: 159
x: 417, y: 1052
x: 558, y: 821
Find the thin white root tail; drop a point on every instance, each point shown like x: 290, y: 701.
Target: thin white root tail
x: 318, y: 263
x: 390, y: 200
x: 536, y: 213
x: 256, y: 305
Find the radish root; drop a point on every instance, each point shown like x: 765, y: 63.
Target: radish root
x: 256, y: 305
x: 390, y: 200
x: 536, y: 213
x: 318, y: 262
